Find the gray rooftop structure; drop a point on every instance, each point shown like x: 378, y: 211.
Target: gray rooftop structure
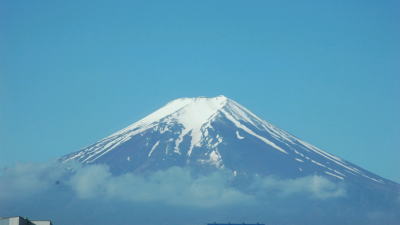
x: 17, y: 220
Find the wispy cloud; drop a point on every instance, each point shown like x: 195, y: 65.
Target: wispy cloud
x: 26, y: 179
x: 316, y: 186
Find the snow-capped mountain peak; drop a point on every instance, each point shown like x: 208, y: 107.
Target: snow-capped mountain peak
x: 216, y: 132
x: 195, y: 116
x: 191, y: 112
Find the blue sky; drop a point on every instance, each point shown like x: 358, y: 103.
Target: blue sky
x: 72, y: 72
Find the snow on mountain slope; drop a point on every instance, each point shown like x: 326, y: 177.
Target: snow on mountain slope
x: 214, y: 133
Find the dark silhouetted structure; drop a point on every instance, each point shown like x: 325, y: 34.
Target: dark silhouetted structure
x: 235, y: 223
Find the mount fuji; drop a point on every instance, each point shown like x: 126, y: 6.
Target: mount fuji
x: 218, y: 133
x: 195, y: 161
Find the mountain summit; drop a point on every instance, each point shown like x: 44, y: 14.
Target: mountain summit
x: 215, y: 133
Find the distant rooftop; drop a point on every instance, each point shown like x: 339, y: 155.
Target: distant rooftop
x: 18, y: 220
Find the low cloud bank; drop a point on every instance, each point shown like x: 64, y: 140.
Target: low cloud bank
x: 72, y: 194
x: 175, y: 186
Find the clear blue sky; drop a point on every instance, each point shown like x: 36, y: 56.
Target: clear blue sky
x: 72, y: 72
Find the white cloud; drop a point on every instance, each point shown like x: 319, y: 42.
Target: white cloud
x: 317, y: 186
x: 174, y: 186
x: 90, y: 181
